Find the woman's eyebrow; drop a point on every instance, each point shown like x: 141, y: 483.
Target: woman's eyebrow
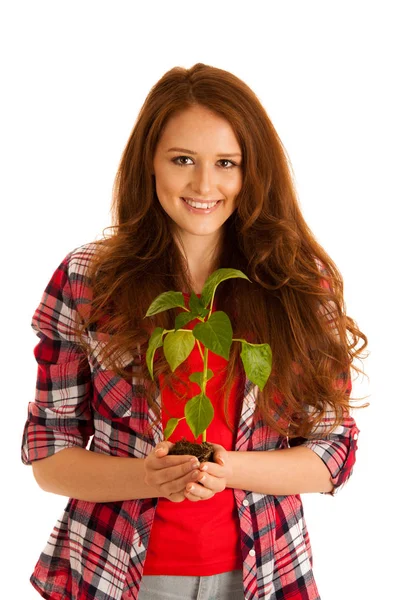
x: 192, y: 152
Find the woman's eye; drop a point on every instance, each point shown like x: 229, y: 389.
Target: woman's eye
x: 223, y: 160
x: 228, y: 161
x: 179, y: 158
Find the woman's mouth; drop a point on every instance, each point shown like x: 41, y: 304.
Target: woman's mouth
x: 195, y: 207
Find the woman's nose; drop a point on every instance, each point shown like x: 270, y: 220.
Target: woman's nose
x: 202, y: 180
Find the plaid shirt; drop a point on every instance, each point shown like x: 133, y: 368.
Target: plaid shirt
x: 97, y: 550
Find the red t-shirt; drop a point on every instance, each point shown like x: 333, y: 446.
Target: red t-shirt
x: 198, y: 538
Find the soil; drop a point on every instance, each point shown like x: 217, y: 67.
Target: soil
x: 204, y: 451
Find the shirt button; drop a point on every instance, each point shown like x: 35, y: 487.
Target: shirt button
x: 245, y: 502
x: 252, y: 552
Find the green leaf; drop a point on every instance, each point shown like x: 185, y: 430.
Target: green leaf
x: 170, y: 427
x: 199, y: 413
x: 155, y: 342
x: 183, y: 319
x: 177, y: 347
x: 196, y: 306
x: 257, y: 362
x: 215, y: 333
x: 215, y: 279
x: 197, y: 377
x: 165, y: 301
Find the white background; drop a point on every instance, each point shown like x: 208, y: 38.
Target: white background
x: 74, y: 75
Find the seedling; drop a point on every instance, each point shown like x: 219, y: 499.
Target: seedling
x: 214, y: 332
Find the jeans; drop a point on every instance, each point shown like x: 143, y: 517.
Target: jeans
x: 224, y: 586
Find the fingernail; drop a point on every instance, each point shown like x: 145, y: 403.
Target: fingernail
x: 195, y: 463
x: 202, y: 479
x: 159, y: 450
x: 221, y: 460
x: 189, y: 489
x: 204, y: 467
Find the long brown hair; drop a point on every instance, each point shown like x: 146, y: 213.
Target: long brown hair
x: 290, y: 302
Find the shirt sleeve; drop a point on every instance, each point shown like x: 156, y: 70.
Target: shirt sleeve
x: 338, y: 449
x: 61, y: 415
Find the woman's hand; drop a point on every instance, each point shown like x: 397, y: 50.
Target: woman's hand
x: 213, y: 478
x: 170, y: 474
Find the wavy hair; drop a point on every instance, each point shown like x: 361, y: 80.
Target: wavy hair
x: 294, y: 300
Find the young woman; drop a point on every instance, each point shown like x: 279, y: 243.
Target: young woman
x: 203, y: 183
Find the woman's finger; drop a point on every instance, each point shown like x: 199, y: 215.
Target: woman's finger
x: 212, y: 469
x: 178, y: 485
x: 180, y: 497
x: 219, y: 454
x: 181, y: 474
x: 195, y: 492
x: 163, y: 448
x: 215, y: 484
x: 166, y: 462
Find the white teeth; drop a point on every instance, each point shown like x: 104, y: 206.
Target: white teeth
x: 200, y: 205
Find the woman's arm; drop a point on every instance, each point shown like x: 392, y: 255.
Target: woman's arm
x: 323, y: 465
x: 60, y: 420
x: 279, y: 472
x: 94, y: 477
x: 90, y: 476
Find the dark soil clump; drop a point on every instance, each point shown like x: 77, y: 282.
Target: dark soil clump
x: 203, y: 451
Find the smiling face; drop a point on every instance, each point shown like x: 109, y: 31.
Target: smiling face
x: 206, y: 167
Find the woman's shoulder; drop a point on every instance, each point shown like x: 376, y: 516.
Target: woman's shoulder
x: 73, y: 272
x: 81, y: 256
x: 76, y: 263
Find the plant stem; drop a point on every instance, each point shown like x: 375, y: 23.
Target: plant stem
x: 169, y: 330
x: 201, y: 354
x: 248, y: 343
x: 205, y: 383
x: 205, y: 369
x: 211, y: 305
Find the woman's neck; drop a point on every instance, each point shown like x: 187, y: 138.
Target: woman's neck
x: 200, y: 256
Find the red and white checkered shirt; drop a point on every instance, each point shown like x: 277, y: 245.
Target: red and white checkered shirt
x: 97, y: 549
